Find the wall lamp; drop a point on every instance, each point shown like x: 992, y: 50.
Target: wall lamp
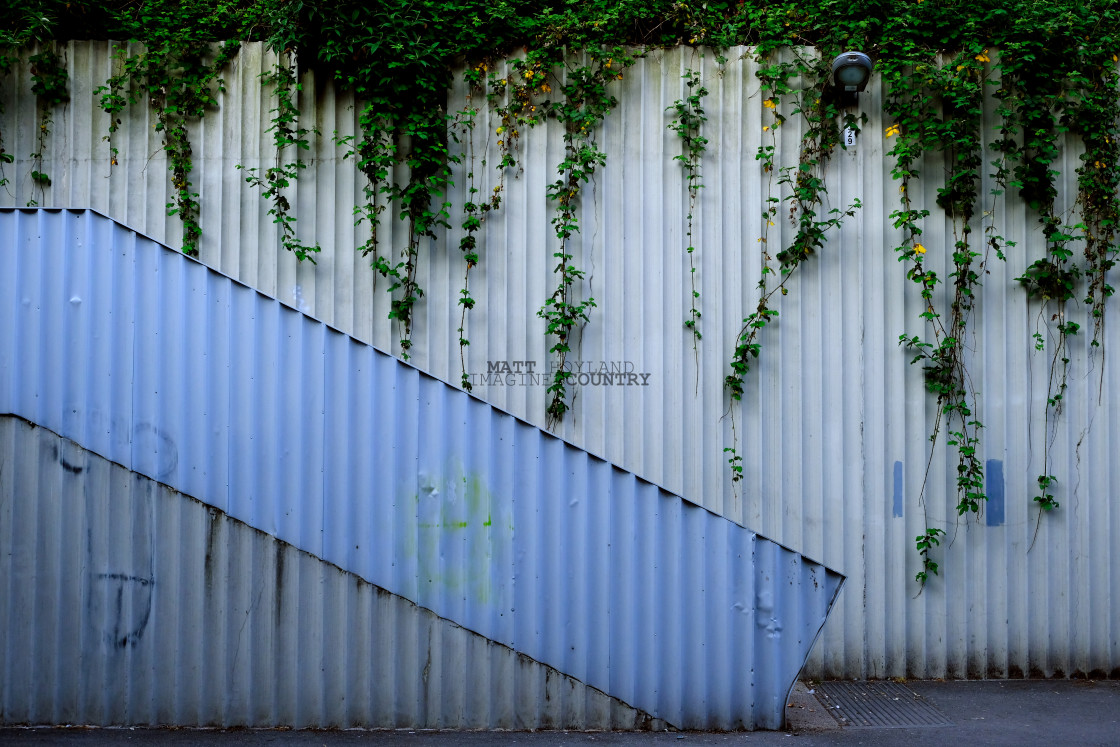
x: 850, y: 73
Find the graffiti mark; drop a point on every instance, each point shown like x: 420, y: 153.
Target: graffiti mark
x: 149, y: 441
x: 130, y: 607
x: 462, y: 533
x: 122, y: 558
x: 66, y: 463
x: 152, y: 451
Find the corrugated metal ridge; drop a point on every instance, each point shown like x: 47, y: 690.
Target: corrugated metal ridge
x: 410, y: 364
x: 643, y: 719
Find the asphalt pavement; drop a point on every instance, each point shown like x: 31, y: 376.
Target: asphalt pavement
x: 990, y: 712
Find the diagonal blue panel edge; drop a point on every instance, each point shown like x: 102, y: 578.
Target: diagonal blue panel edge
x: 369, y: 463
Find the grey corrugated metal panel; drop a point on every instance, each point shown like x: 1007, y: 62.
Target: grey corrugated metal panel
x: 483, y: 519
x: 129, y: 603
x: 988, y: 567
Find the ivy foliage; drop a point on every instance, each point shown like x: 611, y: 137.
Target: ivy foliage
x: 1052, y: 66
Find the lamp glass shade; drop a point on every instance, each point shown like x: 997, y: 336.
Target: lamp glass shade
x: 852, y: 76
x: 851, y: 71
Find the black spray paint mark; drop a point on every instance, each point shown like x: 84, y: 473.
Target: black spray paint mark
x: 153, y: 451
x: 128, y: 623
x: 70, y: 467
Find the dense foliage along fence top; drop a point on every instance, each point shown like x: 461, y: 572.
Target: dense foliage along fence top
x: 1051, y: 66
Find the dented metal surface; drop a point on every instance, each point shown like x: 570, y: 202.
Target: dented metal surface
x: 176, y: 372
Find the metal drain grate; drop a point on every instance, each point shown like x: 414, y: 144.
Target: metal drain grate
x: 878, y: 704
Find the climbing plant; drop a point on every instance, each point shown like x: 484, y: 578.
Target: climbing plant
x: 687, y: 124
x: 475, y: 206
x: 20, y: 29
x: 1046, y: 69
x: 584, y: 104
x: 177, y: 74
x: 938, y: 106
x: 273, y: 181
x: 806, y: 192
x: 48, y: 78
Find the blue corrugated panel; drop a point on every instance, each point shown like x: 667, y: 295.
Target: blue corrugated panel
x: 176, y: 372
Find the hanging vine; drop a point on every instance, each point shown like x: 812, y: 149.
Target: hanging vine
x: 1057, y: 68
x: 1095, y: 116
x: 689, y: 120
x: 939, y: 107
x: 580, y: 108
x: 49, y: 84
x: 806, y: 194
x: 583, y: 107
x: 274, y: 180
x: 473, y: 210
x: 1027, y: 96
x: 15, y: 35
x: 176, y: 78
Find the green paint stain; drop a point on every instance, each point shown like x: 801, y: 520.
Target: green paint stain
x: 455, y: 542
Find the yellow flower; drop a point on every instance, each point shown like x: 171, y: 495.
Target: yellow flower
x: 528, y: 73
x: 770, y: 104
x: 893, y: 130
x: 500, y: 130
x: 765, y: 128
x: 983, y: 57
x: 546, y: 88
x: 919, y: 249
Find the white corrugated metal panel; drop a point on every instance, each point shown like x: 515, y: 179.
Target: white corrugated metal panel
x: 834, y: 428
x: 126, y: 602
x: 174, y: 371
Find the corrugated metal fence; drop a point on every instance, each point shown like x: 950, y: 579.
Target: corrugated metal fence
x: 362, y: 461
x: 834, y: 428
